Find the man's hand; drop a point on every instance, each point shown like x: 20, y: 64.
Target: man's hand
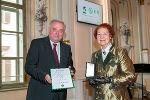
x: 72, y: 72
x: 48, y: 79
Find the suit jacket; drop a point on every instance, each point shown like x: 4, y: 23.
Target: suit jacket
x: 40, y: 59
x: 117, y: 65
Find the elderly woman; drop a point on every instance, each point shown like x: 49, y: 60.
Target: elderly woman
x: 114, y: 68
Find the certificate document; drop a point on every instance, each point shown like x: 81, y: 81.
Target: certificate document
x: 61, y: 78
x: 90, y: 69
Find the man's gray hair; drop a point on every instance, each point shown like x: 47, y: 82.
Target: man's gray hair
x: 59, y: 21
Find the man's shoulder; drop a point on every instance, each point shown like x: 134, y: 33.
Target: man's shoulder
x: 40, y: 39
x: 64, y: 44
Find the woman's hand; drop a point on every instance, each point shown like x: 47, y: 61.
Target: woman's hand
x: 103, y: 80
x: 92, y: 82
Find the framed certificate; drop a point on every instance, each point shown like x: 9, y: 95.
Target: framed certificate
x: 90, y: 70
x: 61, y: 78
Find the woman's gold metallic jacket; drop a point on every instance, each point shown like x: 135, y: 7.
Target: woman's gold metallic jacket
x: 117, y: 65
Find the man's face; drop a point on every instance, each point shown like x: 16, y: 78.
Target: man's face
x: 56, y: 31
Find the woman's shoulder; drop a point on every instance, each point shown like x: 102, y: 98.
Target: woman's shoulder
x: 120, y: 49
x: 95, y: 54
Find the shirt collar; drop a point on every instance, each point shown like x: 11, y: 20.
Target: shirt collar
x: 58, y: 43
x: 107, y: 48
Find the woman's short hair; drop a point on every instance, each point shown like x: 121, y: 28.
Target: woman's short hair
x: 107, y: 26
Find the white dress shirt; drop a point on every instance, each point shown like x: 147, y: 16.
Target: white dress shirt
x: 57, y: 48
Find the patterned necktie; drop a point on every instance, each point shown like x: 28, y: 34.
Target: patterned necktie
x: 55, y: 55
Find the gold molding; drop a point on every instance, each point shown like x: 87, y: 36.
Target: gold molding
x: 145, y: 49
x: 141, y: 2
x: 48, y: 11
x: 131, y: 28
x: 66, y: 41
x: 116, y: 5
x: 32, y: 16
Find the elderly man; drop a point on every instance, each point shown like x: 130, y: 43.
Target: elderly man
x: 44, y: 54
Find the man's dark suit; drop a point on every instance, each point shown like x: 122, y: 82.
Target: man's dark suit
x: 39, y: 60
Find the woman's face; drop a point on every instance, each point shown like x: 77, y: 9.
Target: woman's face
x: 103, y: 37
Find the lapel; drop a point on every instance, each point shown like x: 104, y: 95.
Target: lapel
x: 100, y: 58
x: 51, y: 55
x: 49, y: 51
x: 108, y: 57
x: 47, y: 40
x: 48, y: 44
x: 62, y: 52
